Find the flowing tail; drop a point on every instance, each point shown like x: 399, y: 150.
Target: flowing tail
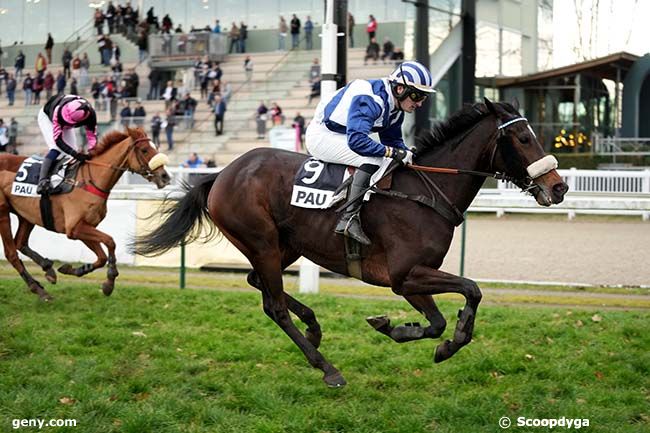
x: 183, y: 221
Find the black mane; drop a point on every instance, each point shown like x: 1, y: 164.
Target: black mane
x: 452, y: 127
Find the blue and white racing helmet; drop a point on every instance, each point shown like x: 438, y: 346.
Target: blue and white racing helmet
x: 413, y: 74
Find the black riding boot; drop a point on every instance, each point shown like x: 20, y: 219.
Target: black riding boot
x: 44, y: 176
x: 350, y: 222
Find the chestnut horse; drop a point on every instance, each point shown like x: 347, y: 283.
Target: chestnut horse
x: 249, y: 202
x: 77, y: 213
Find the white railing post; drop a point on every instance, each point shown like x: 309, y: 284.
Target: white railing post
x: 645, y: 188
x: 309, y: 276
x: 571, y: 179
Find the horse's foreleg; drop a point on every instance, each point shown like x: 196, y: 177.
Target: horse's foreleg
x: 422, y: 280
x: 86, y: 268
x: 93, y: 238
x: 22, y: 244
x: 413, y: 331
x: 11, y: 253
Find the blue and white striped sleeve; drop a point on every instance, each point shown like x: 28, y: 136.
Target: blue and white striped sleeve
x: 363, y: 113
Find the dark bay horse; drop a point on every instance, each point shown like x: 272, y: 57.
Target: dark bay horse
x: 78, y: 213
x: 249, y: 204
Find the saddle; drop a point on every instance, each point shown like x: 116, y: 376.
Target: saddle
x: 62, y: 179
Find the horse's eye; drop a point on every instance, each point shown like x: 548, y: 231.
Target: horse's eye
x: 145, y: 151
x: 523, y: 139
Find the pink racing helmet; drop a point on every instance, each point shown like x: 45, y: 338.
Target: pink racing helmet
x: 75, y: 111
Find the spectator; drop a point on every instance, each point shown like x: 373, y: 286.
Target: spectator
x: 216, y: 90
x: 351, y: 29
x: 226, y: 91
x: 372, y: 52
x: 143, y: 46
x: 110, y: 15
x: 295, y: 31
x: 315, y: 90
x: 74, y: 90
x: 156, y: 123
x: 169, y: 94
x: 398, y: 55
x: 48, y: 84
x: 154, y: 84
x: 371, y: 28
x: 13, y: 136
x: 248, y: 68
x: 139, y: 114
x: 169, y: 124
x: 193, y: 161
x: 85, y: 66
x: 11, y: 89
x: 3, y: 75
x: 299, y: 124
x: 4, y: 137
x: 76, y: 68
x: 189, y: 107
x: 27, y: 88
x: 125, y: 115
x: 41, y: 64
x: 217, y: 27
x: 115, y: 53
x: 234, y: 37
x: 66, y: 60
x: 219, y: 114
x: 167, y: 24
x: 179, y: 29
x: 60, y: 83
x: 99, y: 21
x: 116, y: 67
x: 277, y: 117
x: 282, y: 34
x: 95, y: 90
x: 152, y: 20
x: 19, y: 64
x: 309, y: 33
x: 260, y: 119
x: 243, y: 35
x: 314, y: 71
x: 37, y: 87
x: 389, y: 47
x: 49, y: 44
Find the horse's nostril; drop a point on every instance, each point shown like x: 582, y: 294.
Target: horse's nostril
x: 560, y: 188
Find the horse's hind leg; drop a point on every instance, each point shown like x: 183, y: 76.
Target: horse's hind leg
x: 22, y: 244
x: 86, y: 268
x: 12, y: 254
x: 305, y: 314
x: 413, y: 331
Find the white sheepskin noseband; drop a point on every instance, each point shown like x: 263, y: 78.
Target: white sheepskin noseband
x: 159, y: 160
x: 542, y: 166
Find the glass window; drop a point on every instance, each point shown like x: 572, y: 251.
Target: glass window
x: 11, y: 22
x: 263, y: 14
x: 487, y: 50
x: 35, y: 24
x: 545, y: 35
x: 511, y: 53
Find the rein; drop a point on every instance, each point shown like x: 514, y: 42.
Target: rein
x: 496, y: 175
x: 93, y: 188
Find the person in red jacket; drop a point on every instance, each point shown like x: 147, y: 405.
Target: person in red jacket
x: 371, y: 28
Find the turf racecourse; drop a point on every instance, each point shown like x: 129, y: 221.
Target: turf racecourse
x: 159, y: 360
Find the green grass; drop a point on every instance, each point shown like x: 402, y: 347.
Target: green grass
x: 211, y: 361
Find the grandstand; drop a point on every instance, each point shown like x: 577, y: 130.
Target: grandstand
x: 280, y: 77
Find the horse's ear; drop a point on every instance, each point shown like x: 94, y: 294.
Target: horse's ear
x: 515, y: 103
x: 490, y: 106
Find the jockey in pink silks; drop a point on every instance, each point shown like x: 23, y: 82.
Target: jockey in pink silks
x: 57, y: 120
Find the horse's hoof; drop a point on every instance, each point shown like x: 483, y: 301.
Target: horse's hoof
x: 335, y: 380
x: 50, y: 275
x: 378, y: 322
x: 107, y: 288
x: 66, y: 269
x: 313, y: 337
x: 443, y: 352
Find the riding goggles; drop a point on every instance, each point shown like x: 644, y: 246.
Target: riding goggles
x: 415, y: 95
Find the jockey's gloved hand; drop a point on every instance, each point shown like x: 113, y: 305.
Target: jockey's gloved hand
x: 403, y: 156
x: 81, y: 157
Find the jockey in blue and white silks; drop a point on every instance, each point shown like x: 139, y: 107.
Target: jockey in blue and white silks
x: 340, y: 130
